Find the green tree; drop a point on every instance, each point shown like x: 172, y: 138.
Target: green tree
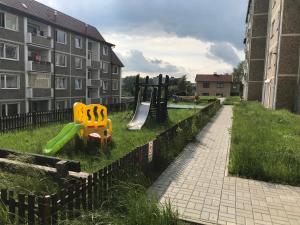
x: 239, y: 73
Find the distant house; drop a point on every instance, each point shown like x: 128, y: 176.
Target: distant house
x: 213, y: 85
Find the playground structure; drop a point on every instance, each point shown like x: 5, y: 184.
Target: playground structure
x: 91, y: 123
x: 150, y: 99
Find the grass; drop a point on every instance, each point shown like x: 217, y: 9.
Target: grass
x: 124, y: 140
x: 265, y: 144
x: 232, y: 100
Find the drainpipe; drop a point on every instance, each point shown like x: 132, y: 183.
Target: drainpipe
x: 54, y: 62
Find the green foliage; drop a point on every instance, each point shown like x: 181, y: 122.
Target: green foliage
x: 265, y: 144
x: 232, y: 100
x: 238, y: 72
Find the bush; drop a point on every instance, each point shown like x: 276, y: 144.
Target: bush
x: 265, y: 144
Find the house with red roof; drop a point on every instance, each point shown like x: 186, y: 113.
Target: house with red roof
x: 214, y: 84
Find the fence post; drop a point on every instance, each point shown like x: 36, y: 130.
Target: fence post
x: 21, y: 208
x: 44, y: 210
x: 30, y: 210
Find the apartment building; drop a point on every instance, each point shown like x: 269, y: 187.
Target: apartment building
x: 49, y: 60
x: 213, y: 85
x: 282, y: 71
x: 255, y: 48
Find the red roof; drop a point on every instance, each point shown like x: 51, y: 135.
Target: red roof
x: 213, y: 78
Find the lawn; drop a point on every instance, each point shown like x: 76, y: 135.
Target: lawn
x: 124, y: 140
x: 232, y: 100
x: 265, y: 144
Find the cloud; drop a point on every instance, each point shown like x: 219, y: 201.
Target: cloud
x: 207, y: 20
x: 224, y: 52
x: 136, y: 61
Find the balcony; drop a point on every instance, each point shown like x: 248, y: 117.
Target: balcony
x: 38, y: 39
x: 89, y: 82
x: 40, y: 66
x: 39, y: 93
x: 39, y: 86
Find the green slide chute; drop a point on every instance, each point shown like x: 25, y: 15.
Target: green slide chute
x: 65, y: 135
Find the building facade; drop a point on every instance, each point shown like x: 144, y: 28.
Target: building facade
x: 281, y: 71
x: 213, y: 85
x: 255, y: 47
x: 49, y: 60
x: 281, y: 81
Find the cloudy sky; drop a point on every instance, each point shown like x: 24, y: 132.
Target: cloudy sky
x: 173, y: 37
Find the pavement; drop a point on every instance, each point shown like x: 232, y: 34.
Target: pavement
x: 197, y: 184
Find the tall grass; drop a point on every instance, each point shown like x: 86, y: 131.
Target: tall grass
x: 232, y: 100
x: 265, y: 144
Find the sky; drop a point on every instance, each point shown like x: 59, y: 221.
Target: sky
x: 174, y: 37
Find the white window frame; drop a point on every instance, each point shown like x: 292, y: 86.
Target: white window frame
x: 113, y: 83
x: 81, y: 83
x: 6, y: 107
x: 103, y: 63
x: 105, y: 50
x: 78, y: 47
x: 115, y: 66
x: 5, y: 82
x: 56, y: 60
x: 66, y: 37
x: 17, y: 21
x: 58, y: 101
x: 4, y: 51
x: 78, y: 68
x: 104, y: 88
x: 64, y: 88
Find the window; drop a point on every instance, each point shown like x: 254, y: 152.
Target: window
x: 115, y: 69
x: 61, y: 37
x: 115, y: 100
x: 78, y: 84
x: 205, y: 85
x: 78, y: 42
x: 115, y: 85
x: 105, y: 67
x: 89, y: 74
x: 8, y: 21
x: 220, y: 85
x: 205, y: 94
x: 105, y: 50
x: 105, y: 85
x: 61, y: 60
x: 78, y: 63
x: 9, y: 81
x: 60, y: 104
x: 61, y: 83
x: 10, y: 109
x: 9, y: 51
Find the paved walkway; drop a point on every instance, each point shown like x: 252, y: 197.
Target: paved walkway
x: 198, y: 186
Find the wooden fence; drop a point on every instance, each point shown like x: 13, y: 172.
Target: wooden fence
x: 37, y: 119
x: 89, y: 194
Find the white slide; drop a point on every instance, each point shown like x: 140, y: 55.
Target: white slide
x: 140, y: 115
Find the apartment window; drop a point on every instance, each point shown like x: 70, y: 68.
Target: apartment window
x: 78, y: 84
x: 59, y: 105
x: 90, y: 46
x: 105, y: 50
x: 89, y: 74
x: 61, y: 60
x: 10, y: 109
x: 115, y: 85
x: 105, y: 67
x: 78, y: 63
x: 61, y: 83
x: 9, y: 51
x: 8, y: 21
x: 9, y: 81
x: 61, y: 37
x: 115, y: 100
x: 205, y: 84
x: 115, y: 69
x: 104, y: 85
x: 78, y: 42
x: 220, y: 85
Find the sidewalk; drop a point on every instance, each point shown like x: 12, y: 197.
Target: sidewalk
x: 198, y: 186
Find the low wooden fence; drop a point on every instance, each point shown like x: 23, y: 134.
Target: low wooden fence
x: 37, y: 119
x: 91, y: 193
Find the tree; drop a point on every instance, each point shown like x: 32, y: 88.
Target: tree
x: 239, y: 73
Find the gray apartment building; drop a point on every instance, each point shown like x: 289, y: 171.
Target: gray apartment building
x: 49, y: 60
x: 277, y: 78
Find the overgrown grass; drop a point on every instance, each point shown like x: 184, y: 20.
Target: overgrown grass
x: 124, y: 140
x: 265, y: 144
x: 232, y: 100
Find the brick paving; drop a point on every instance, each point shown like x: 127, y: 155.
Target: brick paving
x: 198, y: 186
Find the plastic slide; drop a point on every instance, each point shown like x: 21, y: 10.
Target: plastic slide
x: 65, y: 135
x: 140, y: 115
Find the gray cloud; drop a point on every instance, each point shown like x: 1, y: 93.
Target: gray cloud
x: 224, y: 52
x: 136, y: 61
x: 207, y: 20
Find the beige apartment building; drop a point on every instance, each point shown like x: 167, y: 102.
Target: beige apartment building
x: 280, y: 87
